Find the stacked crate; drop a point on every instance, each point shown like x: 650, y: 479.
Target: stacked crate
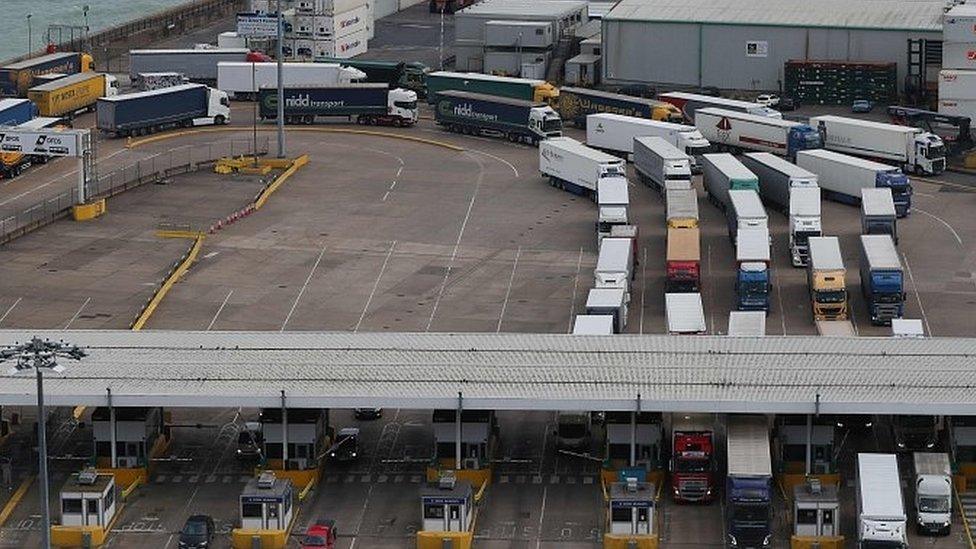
x: 841, y: 82
x: 957, y: 80
x: 316, y: 29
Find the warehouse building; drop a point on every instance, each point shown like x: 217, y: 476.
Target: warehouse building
x: 744, y: 44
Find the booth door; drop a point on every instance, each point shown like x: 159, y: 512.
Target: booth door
x: 272, y: 516
x: 454, y: 521
x: 90, y: 512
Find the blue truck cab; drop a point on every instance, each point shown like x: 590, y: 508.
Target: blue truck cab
x: 748, y: 513
x: 882, y: 278
x: 753, y: 283
x: 901, y: 189
x: 801, y: 138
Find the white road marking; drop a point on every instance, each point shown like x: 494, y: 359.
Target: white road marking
x: 925, y: 319
x: 711, y: 299
x: 376, y: 284
x: 498, y: 158
x: 542, y: 517
x: 940, y: 220
x: 11, y: 308
x: 640, y: 326
x: 362, y: 517
x: 572, y: 302
x: 508, y: 291
x: 219, y: 309
x: 78, y: 312
x: 302, y: 291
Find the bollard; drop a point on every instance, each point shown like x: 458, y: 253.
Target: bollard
x: 86, y: 539
x: 447, y: 543
x: 255, y: 542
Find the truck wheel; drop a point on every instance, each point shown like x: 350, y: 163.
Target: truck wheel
x: 220, y: 120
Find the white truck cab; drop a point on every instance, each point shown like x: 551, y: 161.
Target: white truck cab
x: 111, y: 85
x: 804, y: 222
x: 402, y: 104
x: 613, y: 202
x: 930, y: 153
x: 218, y: 109
x: 933, y: 493
x: 545, y: 122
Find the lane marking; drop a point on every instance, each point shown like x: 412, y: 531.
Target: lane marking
x: 376, y: 284
x: 302, y: 291
x: 940, y: 220
x: 640, y: 327
x: 362, y: 517
x: 508, y: 291
x: 918, y: 297
x: 11, y: 308
x: 542, y: 516
x: 219, y: 309
x: 498, y: 158
x: 78, y: 312
x: 572, y: 302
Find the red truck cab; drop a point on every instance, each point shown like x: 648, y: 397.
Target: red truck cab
x: 693, y: 458
x: 320, y: 535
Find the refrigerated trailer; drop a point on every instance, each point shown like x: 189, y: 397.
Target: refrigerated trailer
x: 777, y: 178
x: 911, y: 148
x: 609, y: 301
x: 613, y: 204
x: 739, y: 132
x: 614, y: 265
x: 746, y: 212
x: 881, y: 519
x: 243, y: 80
x: 878, y: 213
x: 805, y: 223
x: 615, y: 133
x: 722, y: 173
x: 682, y: 208
x: 690, y: 103
x: 660, y: 165
x: 842, y: 177
x: 572, y: 166
x: 684, y: 313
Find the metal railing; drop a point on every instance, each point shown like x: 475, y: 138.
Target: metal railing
x: 159, y: 166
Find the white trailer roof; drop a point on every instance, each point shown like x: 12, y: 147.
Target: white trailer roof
x: 880, y: 251
x: 747, y: 204
x: 729, y: 165
x: 605, y: 297
x: 747, y: 442
x: 685, y: 313
x: 751, y: 118
x: 747, y: 323
x: 692, y: 422
x: 593, y: 325
x: 825, y: 253
x: 682, y: 203
x: 573, y: 146
x: 805, y: 201
x: 614, y: 254
x: 612, y: 191
x: 491, y: 77
x: 662, y: 148
x: 687, y: 96
x: 877, y: 202
x: 150, y: 93
x: 752, y: 244
x: 907, y: 327
x: 639, y: 121
x: 189, y: 51
x: 931, y: 463
x: 880, y: 491
x: 846, y: 159
x: 862, y: 123
x: 781, y: 165
x: 501, y: 9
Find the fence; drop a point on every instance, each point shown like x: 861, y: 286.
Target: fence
x: 188, y: 158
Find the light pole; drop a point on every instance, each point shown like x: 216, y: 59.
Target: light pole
x: 30, y: 44
x: 84, y: 10
x: 40, y: 354
x: 281, y: 88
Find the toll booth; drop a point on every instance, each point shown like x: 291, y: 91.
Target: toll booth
x: 644, y: 430
x: 308, y: 437
x: 791, y: 444
x: 478, y: 428
x: 447, y: 506
x: 267, y: 503
x: 139, y: 435
x: 816, y: 509
x: 632, y: 508
x: 88, y: 499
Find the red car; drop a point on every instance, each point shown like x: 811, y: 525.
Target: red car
x: 320, y: 535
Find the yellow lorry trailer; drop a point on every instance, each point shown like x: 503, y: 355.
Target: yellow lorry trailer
x: 64, y: 97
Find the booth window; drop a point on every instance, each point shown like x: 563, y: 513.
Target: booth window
x: 251, y: 510
x: 72, y: 505
x: 433, y: 511
x: 806, y: 516
x: 621, y: 514
x: 92, y: 506
x: 109, y: 498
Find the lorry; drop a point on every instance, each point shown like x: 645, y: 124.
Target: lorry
x: 739, y: 132
x: 573, y: 430
x: 753, y: 283
x: 693, y: 460
x: 748, y: 484
x: 682, y: 208
x: 882, y: 278
x: 526, y: 89
x: 722, y: 173
x: 912, y: 149
x: 916, y: 432
x: 805, y: 223
x: 17, y: 78
x: 615, y: 265
x: 777, y: 178
x: 574, y: 167
x: 746, y: 323
x: 479, y: 114
x: 746, y: 211
x: 243, y: 80
x: 881, y: 520
x: 684, y: 313
x: 593, y: 325
x: 615, y: 134
x: 608, y: 301
x: 146, y: 112
x: 613, y: 203
x: 878, y: 213
x: 409, y: 75
x: 370, y: 104
x: 690, y: 103
x: 197, y: 64
x: 78, y: 92
x: 842, y: 177
x: 575, y: 104
x: 683, y: 261
x: 933, y: 493
x: 660, y: 165
x: 826, y: 279
x: 14, y: 112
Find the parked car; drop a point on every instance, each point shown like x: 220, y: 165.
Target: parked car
x: 368, y: 413
x: 198, y: 532
x: 767, y: 100
x: 786, y: 103
x: 862, y: 105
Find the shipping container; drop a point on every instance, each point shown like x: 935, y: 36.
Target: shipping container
x: 959, y: 24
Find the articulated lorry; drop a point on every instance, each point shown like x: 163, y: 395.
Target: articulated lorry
x: 684, y: 313
x: 739, y: 132
x: 825, y: 277
x: 682, y: 208
x: 574, y: 167
x: 842, y: 177
x: 660, y: 165
x: 683, y: 261
x: 615, y: 265
x: 615, y: 133
x: 243, y: 80
x: 526, y: 89
x: 693, y: 460
x: 198, y: 65
x: 805, y: 223
x: 933, y: 493
x: 878, y: 213
x: 777, y: 178
x: 146, y: 112
x: 749, y: 482
x: 911, y: 148
x: 370, y: 104
x: 722, y: 173
x: 66, y: 96
x: 882, y: 278
x: 479, y: 114
x: 753, y: 282
x: 746, y: 212
x: 575, y: 104
x: 613, y: 203
x: 573, y: 430
x: 14, y: 112
x: 690, y: 103
x: 17, y: 78
x: 409, y: 75
x: 881, y: 519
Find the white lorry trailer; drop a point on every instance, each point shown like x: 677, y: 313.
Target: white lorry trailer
x: 777, y: 177
x: 747, y: 323
x: 722, y: 173
x: 690, y: 103
x: 737, y: 131
x: 910, y: 148
x: 746, y: 211
x: 608, y: 301
x: 243, y: 80
x: 613, y: 202
x: 878, y: 213
x: 593, y: 325
x: 684, y: 313
x: 572, y: 166
x: 842, y: 177
x: 933, y: 493
x: 805, y: 223
x: 614, y: 265
x: 660, y: 165
x: 881, y: 520
x: 682, y: 208
x: 615, y: 133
